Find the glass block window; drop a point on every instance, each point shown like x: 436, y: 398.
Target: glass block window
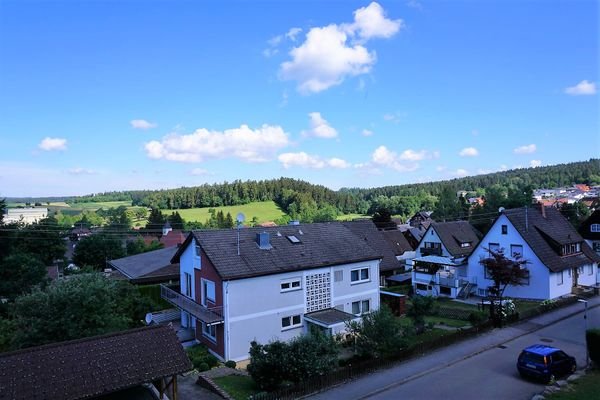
x: 318, y: 292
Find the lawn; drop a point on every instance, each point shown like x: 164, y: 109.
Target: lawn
x: 454, y: 323
x: 350, y: 217
x: 584, y: 388
x: 262, y: 210
x: 102, y: 204
x: 238, y: 386
x: 446, y: 302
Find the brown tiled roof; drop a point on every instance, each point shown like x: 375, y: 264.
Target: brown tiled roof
x: 453, y: 233
x: 91, y: 367
x: 319, y: 245
x: 546, y: 235
x: 173, y: 238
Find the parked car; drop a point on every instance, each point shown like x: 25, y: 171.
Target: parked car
x: 545, y: 363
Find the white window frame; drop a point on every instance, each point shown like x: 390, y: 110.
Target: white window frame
x: 188, y: 284
x: 290, y: 285
x: 360, y: 272
x: 560, y: 279
x: 290, y: 320
x: 197, y: 249
x: 205, y: 292
x: 361, y: 306
x: 595, y: 228
x: 208, y: 331
x: 512, y: 252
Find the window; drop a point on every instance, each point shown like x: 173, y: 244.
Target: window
x: 590, y: 269
x: 569, y: 271
x: 504, y: 229
x: 338, y: 276
x: 432, y: 245
x: 579, y: 271
x: 495, y: 247
x: 209, y: 331
x: 361, y: 307
x: 188, y: 284
x: 465, y: 244
x: 488, y: 275
x: 291, y: 284
x: 359, y: 275
x: 559, y: 278
x: 516, y: 250
x: 571, y: 248
x: 197, y: 250
x: 595, y: 228
x: 293, y: 321
x: 208, y: 291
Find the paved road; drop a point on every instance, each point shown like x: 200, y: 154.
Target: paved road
x: 481, y: 372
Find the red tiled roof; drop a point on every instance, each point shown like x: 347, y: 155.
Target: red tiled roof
x: 173, y: 238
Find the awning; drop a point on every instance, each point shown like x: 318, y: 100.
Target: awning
x: 330, y: 317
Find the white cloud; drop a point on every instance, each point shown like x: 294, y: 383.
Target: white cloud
x: 292, y: 33
x: 304, y: 160
x: 319, y: 127
x: 384, y: 157
x: 460, y: 173
x: 250, y: 145
x: 414, y: 4
x: 527, y: 149
x: 81, y: 171
x: 503, y: 167
x: 582, y: 88
x: 334, y: 52
x: 274, y: 41
x: 51, y: 144
x: 469, y: 152
x: 199, y: 172
x: 367, y: 132
x: 269, y: 52
x: 142, y: 124
x: 370, y: 22
x: 535, y: 163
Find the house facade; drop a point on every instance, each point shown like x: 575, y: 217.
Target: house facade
x: 272, y: 283
x: 590, y: 231
x: 558, y: 259
x: 28, y: 215
x: 440, y: 266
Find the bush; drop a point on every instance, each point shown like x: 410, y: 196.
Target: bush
x: 202, y: 367
x: 592, y: 337
x: 231, y: 364
x: 477, y: 318
x: 201, y: 359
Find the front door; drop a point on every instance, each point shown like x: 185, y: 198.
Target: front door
x: 575, y: 275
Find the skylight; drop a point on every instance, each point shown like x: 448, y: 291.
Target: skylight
x: 293, y: 239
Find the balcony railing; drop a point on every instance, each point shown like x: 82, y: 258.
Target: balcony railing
x: 431, y: 251
x: 209, y: 316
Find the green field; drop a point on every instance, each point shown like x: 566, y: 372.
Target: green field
x: 350, y: 217
x: 263, y: 211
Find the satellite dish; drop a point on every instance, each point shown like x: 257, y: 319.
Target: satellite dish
x: 501, y: 210
x: 240, y: 217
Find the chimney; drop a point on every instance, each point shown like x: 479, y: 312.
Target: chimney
x: 263, y: 240
x: 543, y: 210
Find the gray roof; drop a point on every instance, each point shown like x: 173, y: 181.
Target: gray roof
x: 368, y: 232
x: 452, y: 234
x: 330, y: 317
x: 319, y: 245
x: 398, y: 241
x: 151, y: 264
x: 94, y: 366
x: 546, y: 235
x: 585, y: 230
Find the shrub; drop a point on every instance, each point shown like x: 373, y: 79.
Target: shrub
x: 592, y: 337
x: 379, y: 334
x: 211, y: 360
x: 477, y: 317
x: 230, y: 364
x: 202, y: 367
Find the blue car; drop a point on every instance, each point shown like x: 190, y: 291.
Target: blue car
x: 545, y: 363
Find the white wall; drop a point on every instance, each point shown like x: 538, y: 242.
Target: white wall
x: 254, y: 306
x: 187, y: 262
x: 431, y: 236
x: 540, y: 280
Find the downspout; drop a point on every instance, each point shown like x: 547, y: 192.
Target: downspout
x: 226, y: 321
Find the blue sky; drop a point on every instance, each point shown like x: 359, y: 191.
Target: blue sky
x: 107, y: 95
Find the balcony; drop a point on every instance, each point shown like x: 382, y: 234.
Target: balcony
x: 431, y: 251
x: 209, y: 316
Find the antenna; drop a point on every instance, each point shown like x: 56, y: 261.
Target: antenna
x: 240, y: 218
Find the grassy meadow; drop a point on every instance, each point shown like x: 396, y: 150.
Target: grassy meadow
x: 263, y: 210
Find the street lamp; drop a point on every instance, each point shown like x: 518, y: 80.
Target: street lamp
x: 587, y: 353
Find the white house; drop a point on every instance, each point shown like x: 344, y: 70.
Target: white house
x: 272, y: 283
x: 558, y: 257
x: 28, y: 215
x: 590, y: 231
x: 440, y: 266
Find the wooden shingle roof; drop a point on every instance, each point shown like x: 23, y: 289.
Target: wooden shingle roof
x: 90, y: 367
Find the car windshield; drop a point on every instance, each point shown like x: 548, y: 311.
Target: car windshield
x: 532, y: 358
